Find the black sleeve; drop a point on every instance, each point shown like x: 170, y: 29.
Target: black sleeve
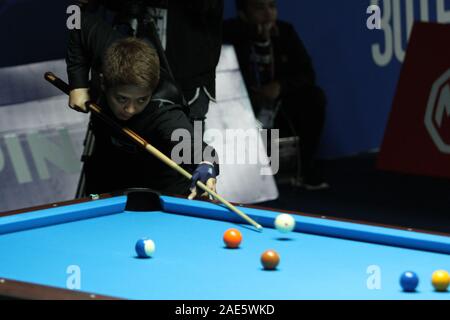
x: 86, y: 47
x: 77, y: 60
x: 174, y: 118
x: 300, y: 70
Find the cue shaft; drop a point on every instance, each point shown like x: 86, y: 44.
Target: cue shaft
x: 60, y: 84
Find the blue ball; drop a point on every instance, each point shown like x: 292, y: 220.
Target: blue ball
x: 409, y: 281
x: 145, y: 248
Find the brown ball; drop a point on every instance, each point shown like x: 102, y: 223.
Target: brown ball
x: 270, y: 259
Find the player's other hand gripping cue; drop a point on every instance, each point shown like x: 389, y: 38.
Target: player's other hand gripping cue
x: 206, y: 173
x: 78, y: 99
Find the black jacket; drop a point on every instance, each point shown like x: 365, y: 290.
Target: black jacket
x: 116, y: 162
x: 194, y: 42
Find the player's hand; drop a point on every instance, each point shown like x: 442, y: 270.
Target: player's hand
x: 206, y: 173
x: 78, y: 99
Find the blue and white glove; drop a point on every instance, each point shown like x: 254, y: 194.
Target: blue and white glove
x: 206, y: 173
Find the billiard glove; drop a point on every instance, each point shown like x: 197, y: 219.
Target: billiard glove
x: 206, y: 173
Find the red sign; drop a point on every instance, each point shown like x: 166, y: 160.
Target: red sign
x: 417, y: 138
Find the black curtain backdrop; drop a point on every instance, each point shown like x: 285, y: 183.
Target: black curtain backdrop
x: 32, y: 30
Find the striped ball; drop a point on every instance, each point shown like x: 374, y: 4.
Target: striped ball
x: 145, y: 248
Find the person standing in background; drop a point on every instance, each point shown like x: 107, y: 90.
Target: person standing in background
x: 280, y: 78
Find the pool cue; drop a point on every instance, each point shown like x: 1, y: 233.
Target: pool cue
x: 60, y: 84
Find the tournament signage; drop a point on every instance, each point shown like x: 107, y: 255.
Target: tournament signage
x: 417, y: 138
x: 438, y: 110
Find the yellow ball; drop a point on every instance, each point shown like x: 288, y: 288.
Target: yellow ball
x: 440, y: 280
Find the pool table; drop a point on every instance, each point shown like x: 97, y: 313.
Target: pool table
x: 43, y: 249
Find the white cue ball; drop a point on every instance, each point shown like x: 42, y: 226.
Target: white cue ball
x: 284, y: 223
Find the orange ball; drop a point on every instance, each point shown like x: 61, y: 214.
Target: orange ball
x: 232, y: 238
x: 270, y: 259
